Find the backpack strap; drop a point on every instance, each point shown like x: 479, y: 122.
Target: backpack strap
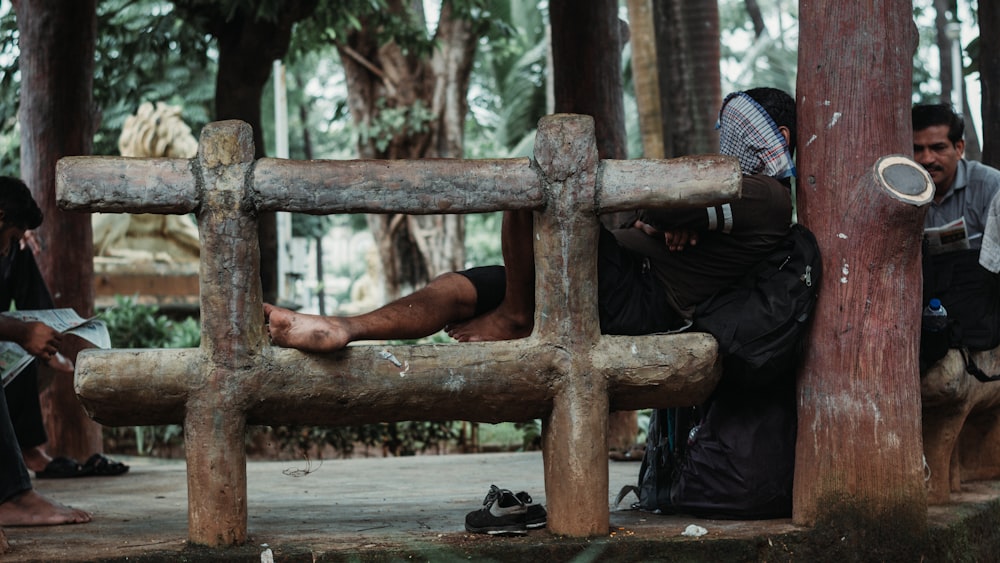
x: 972, y: 369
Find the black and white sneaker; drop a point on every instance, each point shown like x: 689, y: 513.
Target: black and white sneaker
x: 502, y: 513
x: 535, y: 515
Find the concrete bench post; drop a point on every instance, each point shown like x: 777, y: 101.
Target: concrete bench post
x: 565, y: 373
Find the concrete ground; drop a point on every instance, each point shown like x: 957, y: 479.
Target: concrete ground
x: 382, y: 509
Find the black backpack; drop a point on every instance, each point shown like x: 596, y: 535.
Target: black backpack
x: 759, y: 322
x: 733, y: 457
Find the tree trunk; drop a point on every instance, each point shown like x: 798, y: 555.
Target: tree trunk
x: 248, y: 47
x: 57, y: 67
x: 645, y: 76
x: 753, y: 10
x: 383, y: 79
x: 586, y: 58
x: 989, y: 72
x: 941, y: 9
x: 859, y: 449
x: 687, y: 46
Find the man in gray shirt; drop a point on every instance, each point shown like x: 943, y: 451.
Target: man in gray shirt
x: 962, y: 188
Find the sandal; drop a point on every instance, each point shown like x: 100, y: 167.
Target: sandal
x: 101, y: 466
x: 62, y: 468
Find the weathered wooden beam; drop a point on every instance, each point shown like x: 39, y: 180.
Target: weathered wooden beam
x: 687, y: 181
x: 415, y: 187
x: 115, y: 184
x: 363, y: 384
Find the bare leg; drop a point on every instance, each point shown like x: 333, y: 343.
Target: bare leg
x: 446, y: 299
x: 515, y: 316
x: 33, y: 509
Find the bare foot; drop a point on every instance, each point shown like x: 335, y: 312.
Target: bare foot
x: 33, y: 509
x: 498, y: 324
x: 309, y: 333
x: 36, y: 458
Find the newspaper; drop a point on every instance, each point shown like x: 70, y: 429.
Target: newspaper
x: 13, y: 358
x: 948, y: 238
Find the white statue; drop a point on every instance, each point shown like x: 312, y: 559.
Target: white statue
x: 151, y: 132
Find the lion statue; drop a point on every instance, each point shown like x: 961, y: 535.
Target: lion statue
x: 152, y: 132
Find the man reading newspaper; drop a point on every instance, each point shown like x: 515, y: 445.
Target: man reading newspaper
x: 953, y: 231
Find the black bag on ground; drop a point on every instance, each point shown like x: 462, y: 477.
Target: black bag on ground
x: 732, y: 459
x: 759, y: 322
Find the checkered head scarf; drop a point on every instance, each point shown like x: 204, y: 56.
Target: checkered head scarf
x: 747, y: 132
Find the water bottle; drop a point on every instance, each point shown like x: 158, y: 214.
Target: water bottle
x: 935, y: 316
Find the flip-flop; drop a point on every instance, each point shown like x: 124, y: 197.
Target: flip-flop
x: 101, y: 466
x: 62, y: 468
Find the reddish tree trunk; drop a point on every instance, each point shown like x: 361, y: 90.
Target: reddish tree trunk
x: 859, y: 446
x: 57, y: 67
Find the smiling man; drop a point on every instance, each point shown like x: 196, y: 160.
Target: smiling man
x: 962, y: 188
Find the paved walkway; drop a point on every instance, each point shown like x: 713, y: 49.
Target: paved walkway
x: 376, y: 508
x: 352, y: 506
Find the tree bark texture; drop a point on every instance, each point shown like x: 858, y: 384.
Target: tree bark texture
x: 56, y: 116
x: 434, y: 94
x: 859, y: 391
x: 989, y: 77
x: 688, y: 51
x: 645, y: 76
x: 587, y: 69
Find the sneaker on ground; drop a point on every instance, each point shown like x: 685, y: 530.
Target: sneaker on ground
x: 502, y: 513
x: 535, y: 515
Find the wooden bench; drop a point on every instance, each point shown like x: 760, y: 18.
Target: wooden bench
x: 565, y: 373
x: 961, y: 424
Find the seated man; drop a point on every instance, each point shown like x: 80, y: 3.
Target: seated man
x: 20, y: 505
x: 651, y: 273
x: 965, y: 190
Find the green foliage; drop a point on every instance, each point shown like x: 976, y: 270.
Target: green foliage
x: 392, y: 122
x: 310, y: 226
x: 133, y: 325
x: 145, y: 52
x: 482, y: 239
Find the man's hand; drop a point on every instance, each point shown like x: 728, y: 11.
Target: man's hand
x: 675, y: 239
x: 40, y: 340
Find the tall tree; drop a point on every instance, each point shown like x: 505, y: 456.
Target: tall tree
x: 250, y: 37
x: 860, y: 379
x: 57, y: 66
x: 687, y: 48
x: 646, y: 76
x: 408, y: 95
x: 989, y: 73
